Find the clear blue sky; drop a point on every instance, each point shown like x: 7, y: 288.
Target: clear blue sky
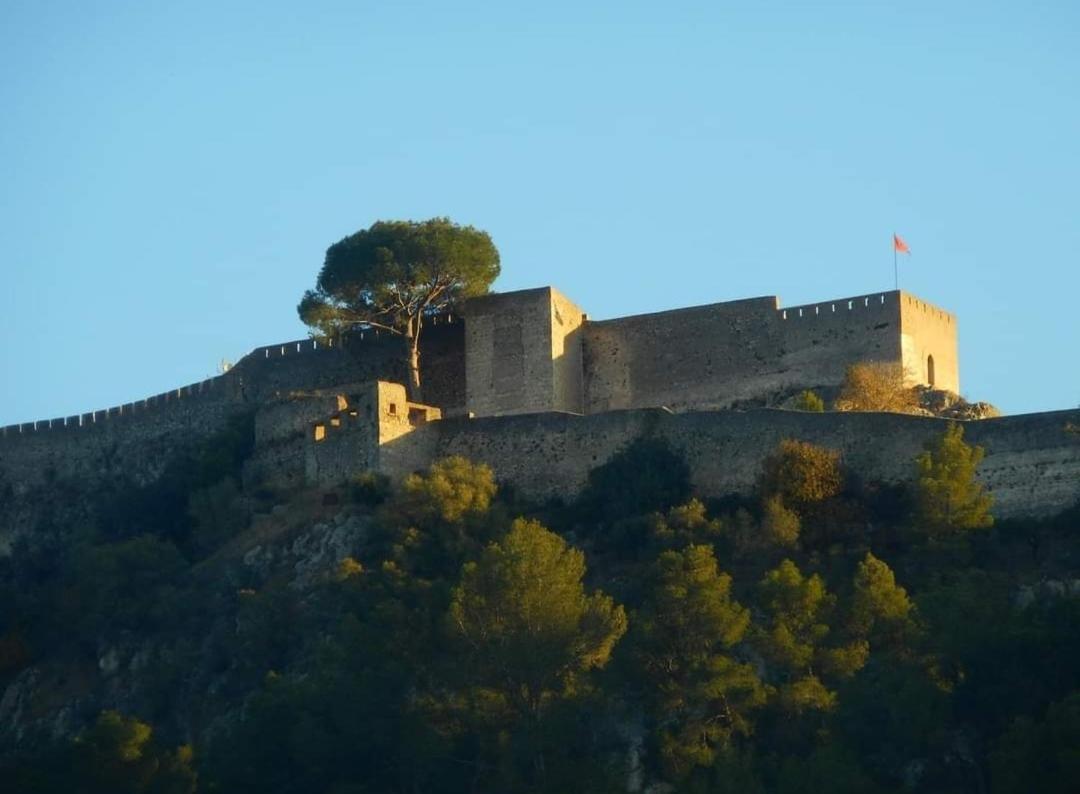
x: 172, y: 173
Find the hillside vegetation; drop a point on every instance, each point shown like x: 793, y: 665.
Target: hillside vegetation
x: 827, y: 635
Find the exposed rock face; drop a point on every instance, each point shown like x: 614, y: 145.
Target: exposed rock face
x: 949, y: 405
x: 929, y: 402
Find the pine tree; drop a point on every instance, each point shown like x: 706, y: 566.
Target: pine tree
x: 949, y: 497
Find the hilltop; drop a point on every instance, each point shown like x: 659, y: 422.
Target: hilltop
x: 630, y: 555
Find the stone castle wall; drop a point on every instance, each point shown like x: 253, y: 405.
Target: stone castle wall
x: 522, y: 352
x: 324, y: 437
x: 1032, y: 464
x: 135, y: 439
x: 364, y: 356
x: 734, y: 353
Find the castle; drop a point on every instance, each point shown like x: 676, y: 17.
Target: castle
x: 527, y: 383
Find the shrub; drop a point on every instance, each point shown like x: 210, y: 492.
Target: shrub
x: 441, y: 517
x: 453, y: 489
x: 809, y: 401
x: 779, y: 525
x: 876, y: 386
x: 369, y: 488
x: 683, y: 525
x: 801, y: 474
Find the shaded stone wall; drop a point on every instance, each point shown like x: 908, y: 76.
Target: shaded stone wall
x: 740, y: 352
x: 1032, y: 464
x: 136, y: 437
x: 134, y: 440
x: 309, y: 364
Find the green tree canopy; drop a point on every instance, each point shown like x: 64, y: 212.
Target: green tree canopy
x: 949, y: 497
x: 684, y: 525
x: 683, y: 641
x: 795, y: 638
x: 879, y: 607
x: 393, y: 274
x: 118, y: 755
x: 779, y: 525
x: 524, y: 616
x: 1040, y: 755
x: 444, y: 516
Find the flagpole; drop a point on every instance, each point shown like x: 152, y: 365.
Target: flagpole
x: 895, y: 269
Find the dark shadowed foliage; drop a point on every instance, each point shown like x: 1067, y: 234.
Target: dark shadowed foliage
x: 645, y: 476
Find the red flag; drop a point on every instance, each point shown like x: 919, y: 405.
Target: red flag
x: 899, y: 245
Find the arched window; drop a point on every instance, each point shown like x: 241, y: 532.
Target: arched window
x: 930, y: 370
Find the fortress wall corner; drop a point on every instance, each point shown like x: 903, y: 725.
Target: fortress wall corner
x: 509, y: 346
x: 929, y: 342
x: 267, y: 372
x: 567, y: 320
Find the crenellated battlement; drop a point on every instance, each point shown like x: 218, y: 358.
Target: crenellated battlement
x: 226, y: 386
x: 93, y: 419
x: 839, y: 308
x: 911, y: 302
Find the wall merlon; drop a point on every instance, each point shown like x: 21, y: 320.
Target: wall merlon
x: 929, y: 308
x: 839, y: 307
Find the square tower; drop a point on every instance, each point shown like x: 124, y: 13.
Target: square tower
x: 928, y: 347
x: 523, y: 353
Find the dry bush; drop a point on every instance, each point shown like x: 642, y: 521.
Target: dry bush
x: 877, y: 386
x: 801, y: 474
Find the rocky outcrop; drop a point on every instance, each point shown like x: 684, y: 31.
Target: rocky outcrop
x: 949, y: 405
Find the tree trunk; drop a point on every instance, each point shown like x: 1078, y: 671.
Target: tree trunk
x: 412, y: 344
